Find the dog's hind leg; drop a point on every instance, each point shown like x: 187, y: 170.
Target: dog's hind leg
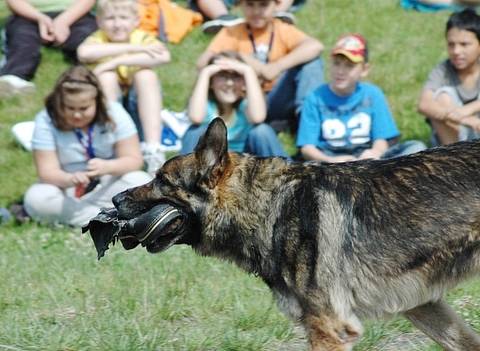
x: 441, y: 323
x: 330, y: 334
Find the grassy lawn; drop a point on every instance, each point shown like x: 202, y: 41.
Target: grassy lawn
x: 55, y: 295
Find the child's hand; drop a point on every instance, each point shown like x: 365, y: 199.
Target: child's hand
x: 369, y: 154
x: 46, y: 29
x: 61, y: 30
x: 78, y: 178
x: 257, y: 65
x: 458, y: 113
x: 104, y: 67
x: 212, y: 69
x: 472, y: 122
x: 153, y: 50
x: 343, y: 158
x: 97, y: 167
x: 270, y: 71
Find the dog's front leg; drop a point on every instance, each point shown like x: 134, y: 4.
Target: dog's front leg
x: 440, y: 322
x: 330, y: 333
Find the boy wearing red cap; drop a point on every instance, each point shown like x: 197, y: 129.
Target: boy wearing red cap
x: 347, y: 119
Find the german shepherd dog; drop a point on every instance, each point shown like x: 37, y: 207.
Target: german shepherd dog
x: 336, y: 243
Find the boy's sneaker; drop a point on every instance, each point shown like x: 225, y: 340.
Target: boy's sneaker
x: 12, y: 85
x: 154, y: 157
x: 285, y: 16
x: 213, y: 26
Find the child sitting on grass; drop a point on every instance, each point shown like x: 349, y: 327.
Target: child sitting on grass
x: 284, y: 58
x: 85, y: 152
x: 216, y: 12
x: 347, y: 119
x: 62, y: 24
x: 449, y: 99
x: 124, y: 57
x: 229, y: 88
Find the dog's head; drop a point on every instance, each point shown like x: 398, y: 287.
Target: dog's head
x: 185, y: 182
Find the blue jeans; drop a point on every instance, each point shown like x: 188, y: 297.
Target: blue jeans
x: 396, y: 150
x: 404, y: 148
x: 285, y: 100
x: 261, y: 141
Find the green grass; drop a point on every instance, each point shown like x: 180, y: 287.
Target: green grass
x: 54, y: 295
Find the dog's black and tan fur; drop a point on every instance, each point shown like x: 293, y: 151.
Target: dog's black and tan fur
x: 336, y: 243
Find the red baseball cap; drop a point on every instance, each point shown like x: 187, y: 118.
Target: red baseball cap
x: 353, y: 46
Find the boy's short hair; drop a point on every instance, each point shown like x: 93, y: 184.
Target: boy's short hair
x: 466, y: 20
x: 104, y: 6
x: 352, y: 46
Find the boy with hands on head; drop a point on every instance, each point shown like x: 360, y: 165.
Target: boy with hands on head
x: 124, y: 57
x: 347, y: 119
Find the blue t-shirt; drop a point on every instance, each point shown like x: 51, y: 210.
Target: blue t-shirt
x: 345, y: 124
x: 71, y: 154
x: 237, y: 129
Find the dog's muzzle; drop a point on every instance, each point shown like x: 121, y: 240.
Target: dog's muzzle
x: 157, y: 229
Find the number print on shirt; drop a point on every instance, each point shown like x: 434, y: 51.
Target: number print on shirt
x: 356, y: 131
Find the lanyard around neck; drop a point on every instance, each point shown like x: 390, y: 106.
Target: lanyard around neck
x: 254, y: 46
x: 87, y: 144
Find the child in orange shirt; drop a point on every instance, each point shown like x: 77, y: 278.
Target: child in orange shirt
x: 285, y: 59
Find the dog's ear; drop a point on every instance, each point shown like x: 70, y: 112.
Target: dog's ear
x: 211, y: 152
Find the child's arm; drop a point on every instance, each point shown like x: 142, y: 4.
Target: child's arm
x: 311, y: 152
x: 128, y: 158
x: 434, y: 109
x: 49, y: 170
x: 307, y: 50
x: 92, y: 52
x: 63, y: 22
x: 24, y: 9
x: 197, y: 106
x: 466, y: 115
x: 222, y: 41
x: 430, y: 107
x: 124, y: 53
x: 256, y: 110
x: 204, y: 59
x: 379, y: 147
